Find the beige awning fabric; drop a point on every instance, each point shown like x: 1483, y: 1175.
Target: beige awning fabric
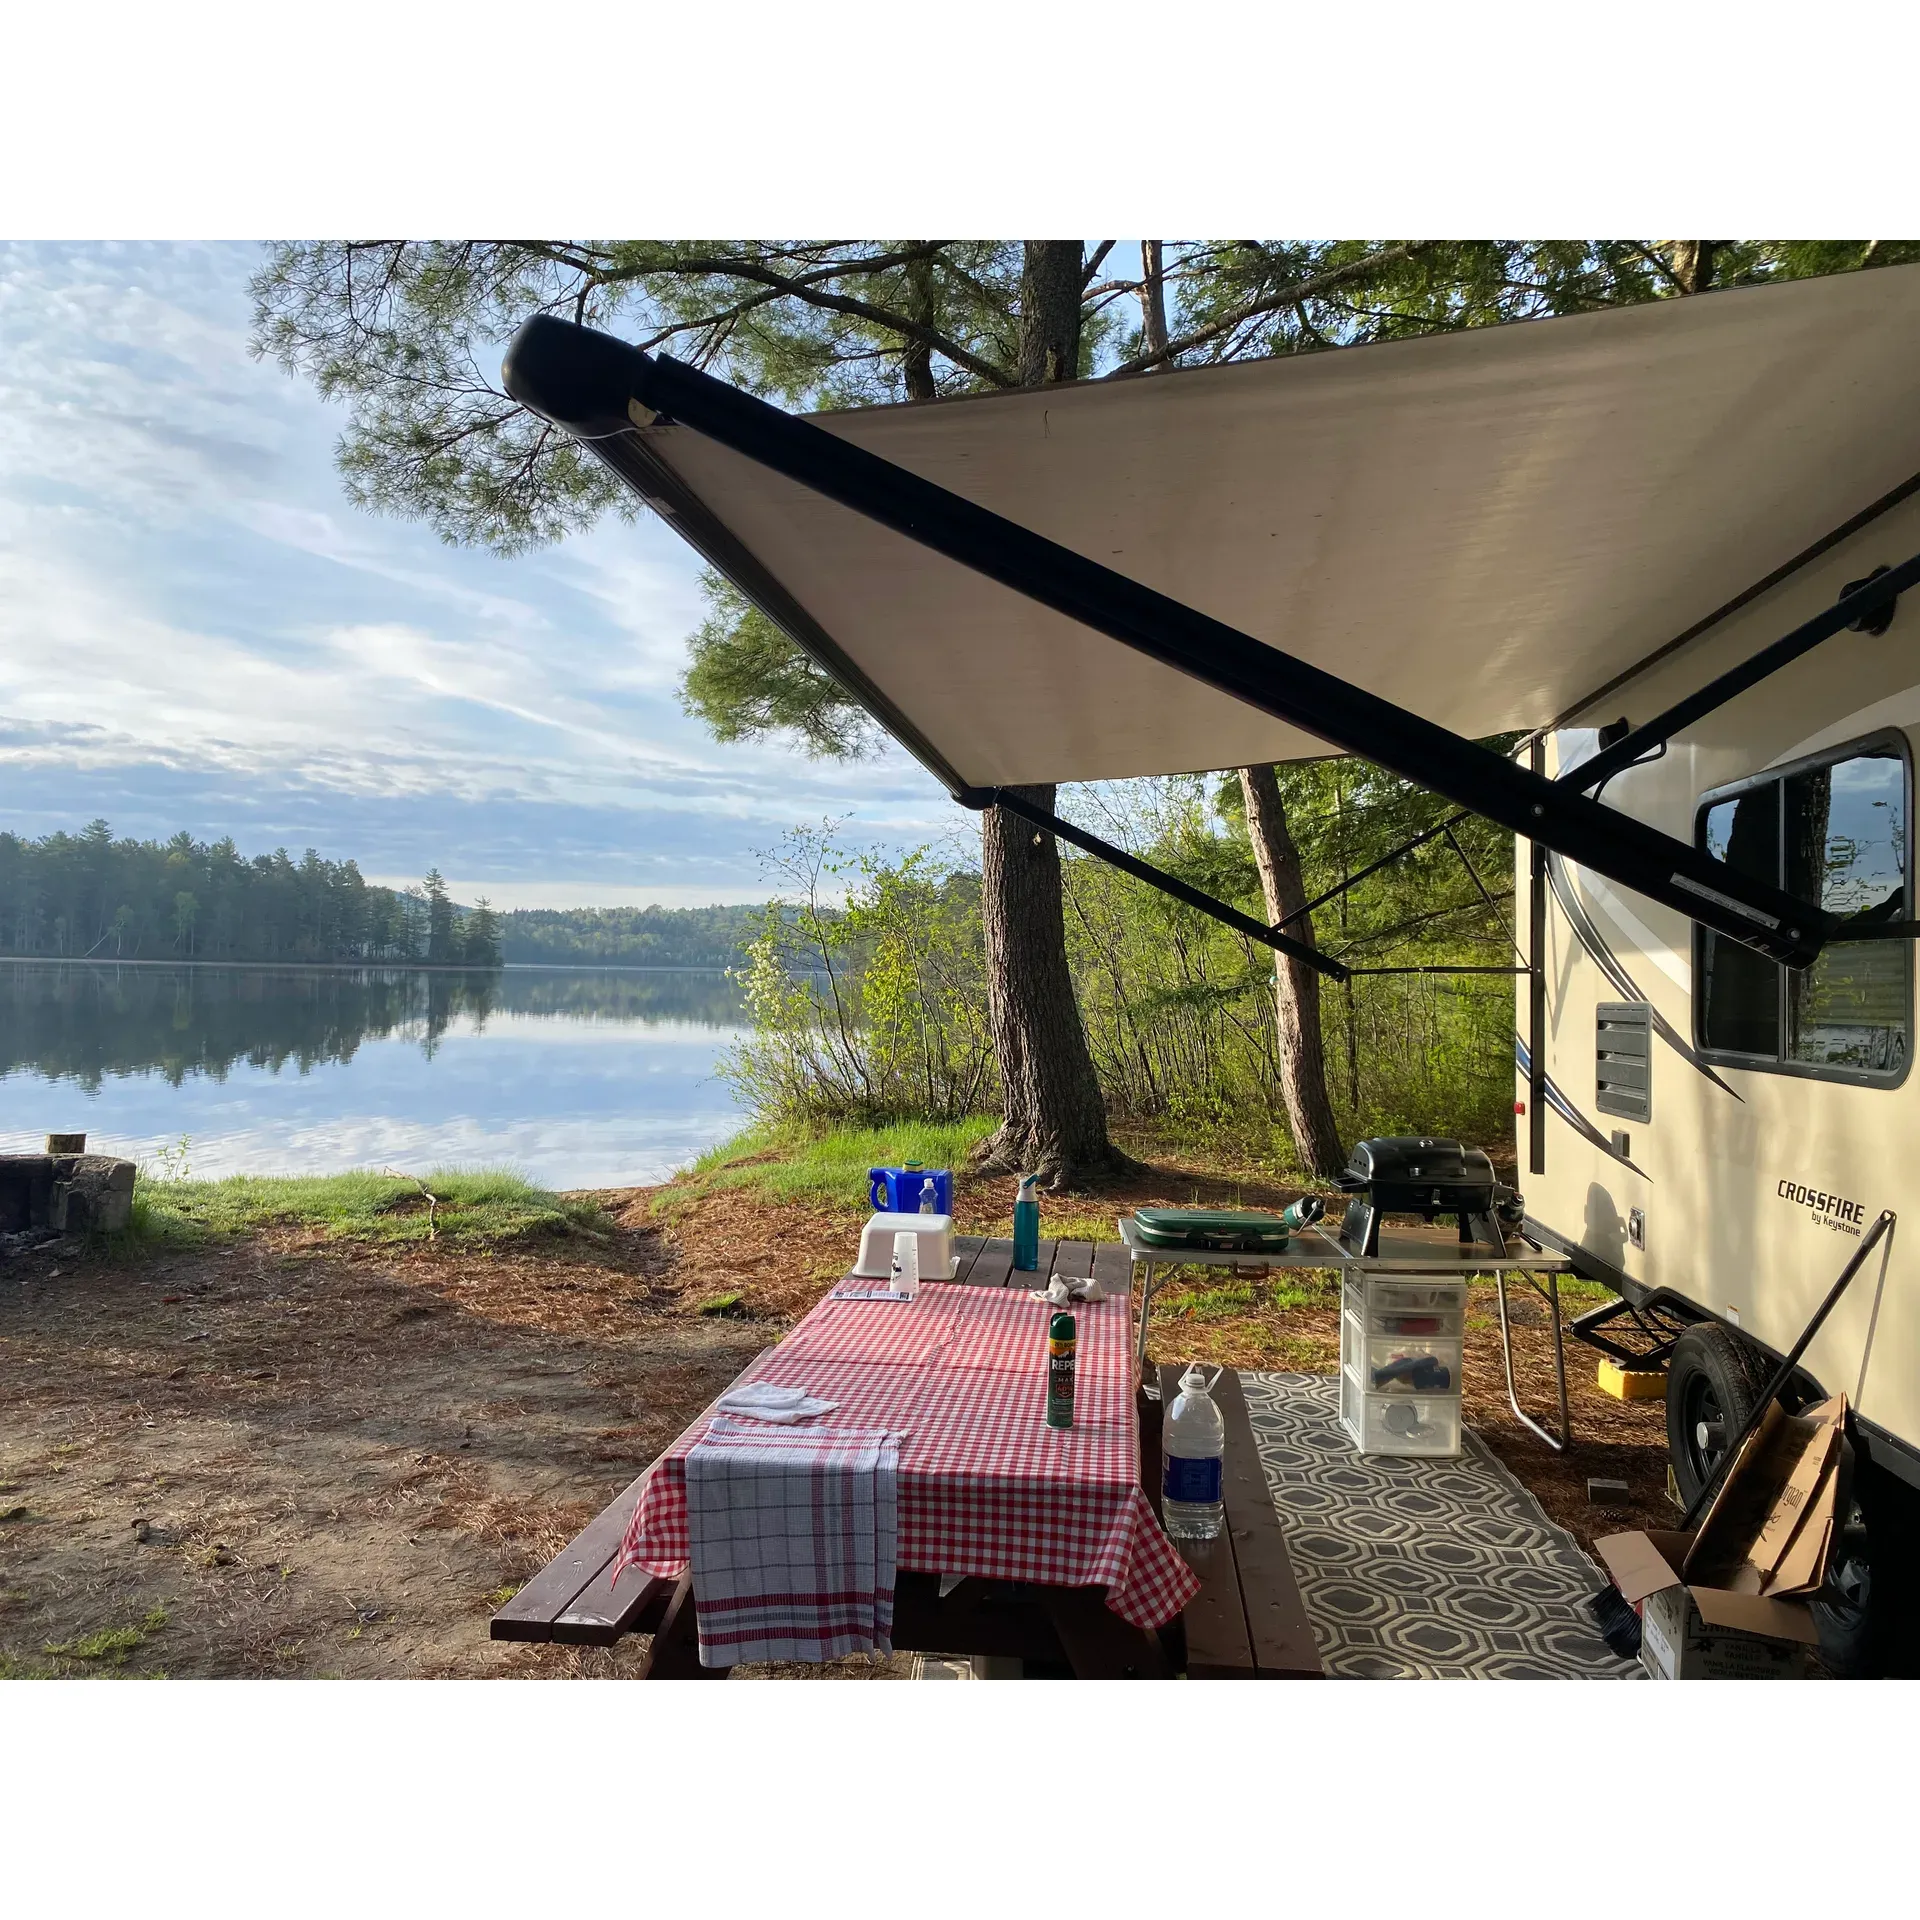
x: 1484, y: 527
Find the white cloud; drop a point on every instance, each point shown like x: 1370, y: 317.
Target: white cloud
x: 186, y: 599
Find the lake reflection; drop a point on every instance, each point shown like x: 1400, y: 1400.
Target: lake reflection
x: 578, y: 1076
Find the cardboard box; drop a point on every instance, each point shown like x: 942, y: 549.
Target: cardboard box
x: 1699, y: 1632
x: 1770, y: 1528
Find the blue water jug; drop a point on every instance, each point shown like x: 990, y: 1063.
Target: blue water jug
x: 898, y: 1189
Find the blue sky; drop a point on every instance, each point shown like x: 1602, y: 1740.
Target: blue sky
x: 198, y: 630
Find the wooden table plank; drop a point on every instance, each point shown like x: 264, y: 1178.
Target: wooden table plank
x: 1112, y: 1267
x: 603, y: 1612
x: 1073, y: 1259
x: 992, y: 1265
x: 1219, y: 1640
x: 1041, y: 1274
x: 1282, y: 1635
x: 531, y: 1613
x: 966, y: 1249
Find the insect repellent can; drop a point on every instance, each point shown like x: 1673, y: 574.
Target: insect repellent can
x: 1062, y: 1337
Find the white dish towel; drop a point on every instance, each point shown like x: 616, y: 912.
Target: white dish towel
x: 760, y: 1400
x: 795, y: 1538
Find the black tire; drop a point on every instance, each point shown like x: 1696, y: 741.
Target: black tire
x: 1714, y: 1382
x: 1874, y: 1633
x: 1849, y: 1641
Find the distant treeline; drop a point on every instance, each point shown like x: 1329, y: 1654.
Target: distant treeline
x: 628, y: 936
x: 90, y: 896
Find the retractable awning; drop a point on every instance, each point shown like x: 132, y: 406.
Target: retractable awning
x: 1389, y: 549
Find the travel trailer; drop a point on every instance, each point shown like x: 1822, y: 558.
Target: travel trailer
x: 1666, y: 543
x: 1733, y: 1127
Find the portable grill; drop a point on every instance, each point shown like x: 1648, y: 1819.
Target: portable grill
x: 1430, y: 1177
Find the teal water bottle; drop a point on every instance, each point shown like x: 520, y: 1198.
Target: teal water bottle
x: 1026, y: 1225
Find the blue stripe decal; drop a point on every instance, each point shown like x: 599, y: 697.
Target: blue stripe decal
x: 1557, y: 1102
x: 1622, y: 981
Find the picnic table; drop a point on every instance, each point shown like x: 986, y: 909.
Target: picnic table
x: 1015, y: 1539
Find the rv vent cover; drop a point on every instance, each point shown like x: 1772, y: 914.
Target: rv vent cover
x: 1624, y: 1068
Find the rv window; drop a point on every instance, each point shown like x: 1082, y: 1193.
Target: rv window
x: 1836, y: 833
x: 1846, y: 847
x: 1740, y: 989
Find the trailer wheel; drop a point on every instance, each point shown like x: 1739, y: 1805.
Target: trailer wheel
x: 1847, y: 1625
x: 1714, y: 1382
x: 1875, y: 1632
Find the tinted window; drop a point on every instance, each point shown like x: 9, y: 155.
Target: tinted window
x: 1740, y: 989
x: 1846, y: 847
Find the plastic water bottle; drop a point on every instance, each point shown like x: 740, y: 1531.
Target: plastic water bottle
x: 1192, y: 1440
x: 929, y: 1196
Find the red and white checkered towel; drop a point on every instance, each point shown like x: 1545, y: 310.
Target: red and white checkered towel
x: 795, y: 1539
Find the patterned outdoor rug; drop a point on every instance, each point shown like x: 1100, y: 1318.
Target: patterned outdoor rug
x: 1422, y: 1569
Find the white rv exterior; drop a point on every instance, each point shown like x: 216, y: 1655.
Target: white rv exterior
x: 1760, y: 1161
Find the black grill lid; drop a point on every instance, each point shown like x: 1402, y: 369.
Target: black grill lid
x: 1417, y: 1160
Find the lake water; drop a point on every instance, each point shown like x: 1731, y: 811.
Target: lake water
x: 579, y: 1077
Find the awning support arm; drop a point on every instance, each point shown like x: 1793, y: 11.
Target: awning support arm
x: 1375, y: 972
x: 1537, y: 987
x: 600, y: 388
x: 1367, y: 872
x: 984, y: 797
x: 1854, y: 609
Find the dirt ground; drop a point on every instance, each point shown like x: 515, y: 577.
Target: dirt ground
x: 285, y: 1455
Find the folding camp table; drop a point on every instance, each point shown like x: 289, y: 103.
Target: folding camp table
x: 1403, y: 1250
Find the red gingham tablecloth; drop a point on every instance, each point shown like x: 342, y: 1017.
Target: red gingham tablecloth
x: 987, y: 1488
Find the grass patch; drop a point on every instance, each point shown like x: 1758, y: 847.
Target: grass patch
x: 1215, y: 1303
x: 792, y: 1163
x: 1062, y: 1218
x: 470, y: 1204
x: 1290, y: 1353
x: 1305, y: 1289
x: 110, y: 1646
x: 12, y: 1667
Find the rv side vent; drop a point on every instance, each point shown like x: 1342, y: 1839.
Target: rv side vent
x: 1624, y: 1069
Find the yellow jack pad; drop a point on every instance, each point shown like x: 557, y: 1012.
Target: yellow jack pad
x: 1625, y: 1385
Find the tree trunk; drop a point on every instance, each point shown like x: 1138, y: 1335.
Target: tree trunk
x: 1693, y: 264
x: 1054, y: 1119
x: 1153, y: 301
x: 1050, y: 286
x: 916, y: 358
x: 1296, y: 986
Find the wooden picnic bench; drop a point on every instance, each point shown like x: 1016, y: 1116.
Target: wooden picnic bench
x: 1246, y: 1622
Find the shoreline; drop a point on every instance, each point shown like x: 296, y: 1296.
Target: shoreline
x: 355, y: 966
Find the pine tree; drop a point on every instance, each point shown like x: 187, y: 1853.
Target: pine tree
x: 482, y: 935
x: 442, y: 948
